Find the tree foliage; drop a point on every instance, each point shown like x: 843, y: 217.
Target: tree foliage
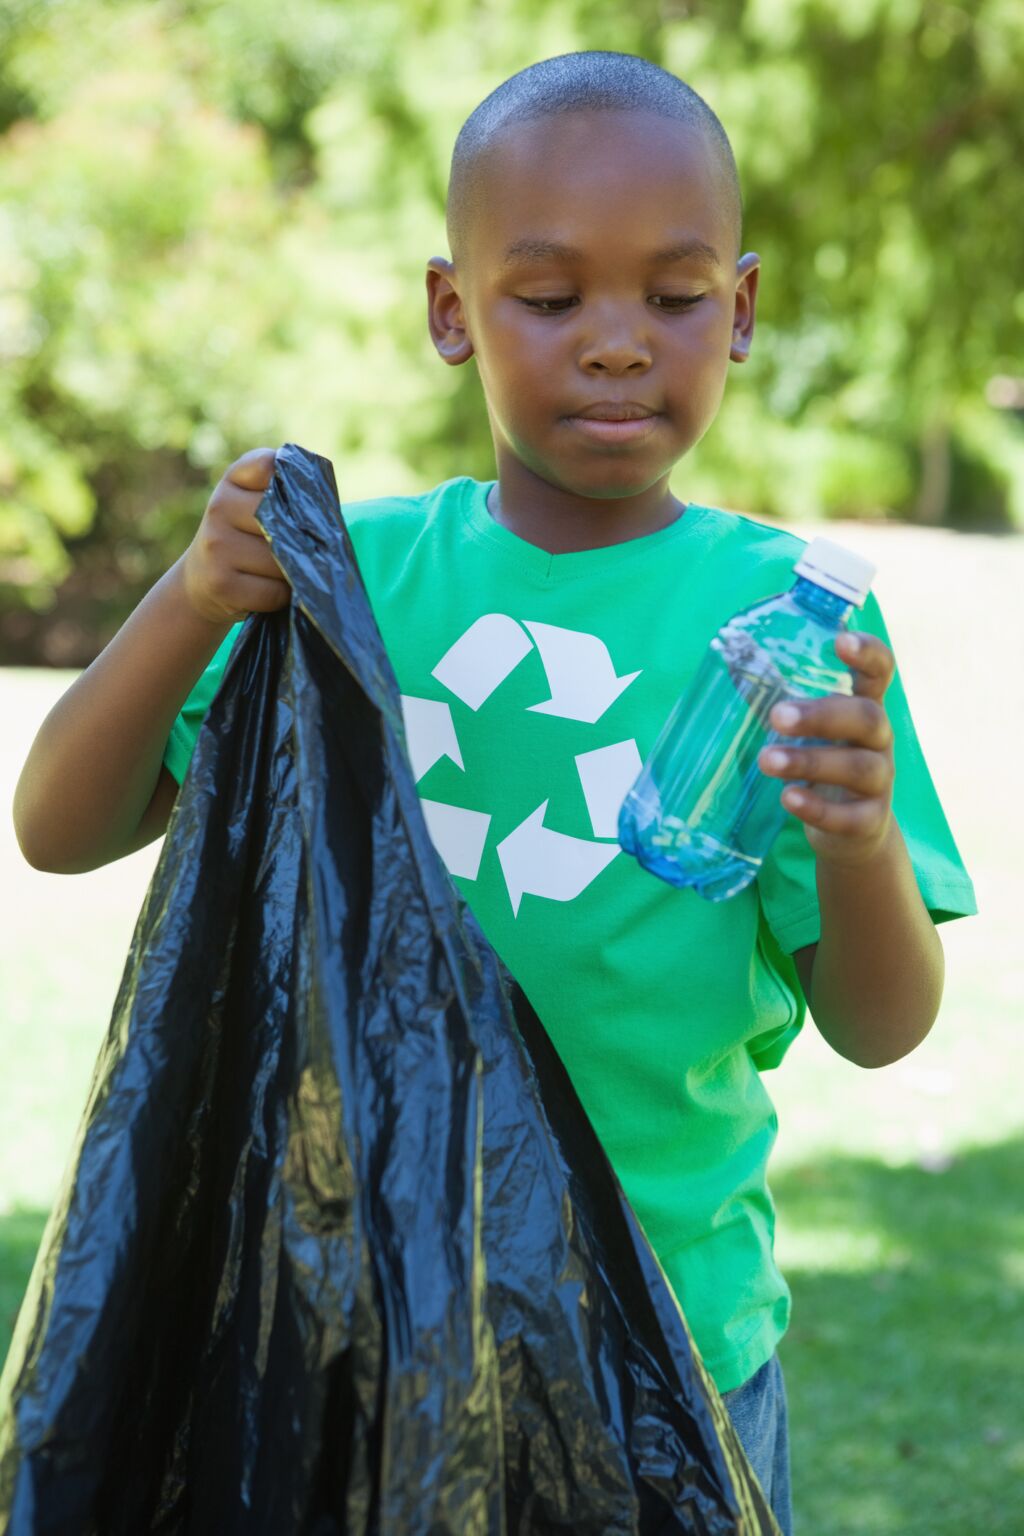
x: 215, y: 217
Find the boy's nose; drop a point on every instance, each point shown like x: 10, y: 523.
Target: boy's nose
x: 615, y: 334
x: 615, y: 355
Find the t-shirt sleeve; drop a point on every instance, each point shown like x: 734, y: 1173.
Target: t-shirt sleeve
x: 185, y: 730
x: 787, y: 887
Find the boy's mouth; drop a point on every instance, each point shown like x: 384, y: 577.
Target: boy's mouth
x: 623, y: 421
x: 614, y: 410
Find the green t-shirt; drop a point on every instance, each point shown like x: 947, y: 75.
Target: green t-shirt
x: 533, y: 686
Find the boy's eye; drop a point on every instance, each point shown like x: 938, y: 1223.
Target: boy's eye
x: 545, y: 305
x: 669, y: 301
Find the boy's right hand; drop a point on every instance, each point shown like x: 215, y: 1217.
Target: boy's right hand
x: 228, y: 571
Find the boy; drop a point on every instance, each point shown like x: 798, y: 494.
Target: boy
x: 541, y: 627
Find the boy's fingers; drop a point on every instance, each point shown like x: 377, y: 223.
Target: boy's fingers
x: 862, y: 771
x: 860, y: 721
x: 237, y: 508
x: 254, y: 470
x: 847, y: 819
x: 232, y: 539
x: 870, y: 660
x: 250, y: 554
x: 260, y: 594
x: 246, y: 583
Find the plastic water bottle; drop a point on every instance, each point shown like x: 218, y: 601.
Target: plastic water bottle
x: 701, y: 812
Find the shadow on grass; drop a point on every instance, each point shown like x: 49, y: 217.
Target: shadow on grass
x: 905, y: 1357
x: 20, y: 1234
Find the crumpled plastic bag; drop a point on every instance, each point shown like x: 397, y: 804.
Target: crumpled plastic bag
x: 338, y: 1249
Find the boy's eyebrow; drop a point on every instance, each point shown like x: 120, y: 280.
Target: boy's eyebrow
x: 531, y: 249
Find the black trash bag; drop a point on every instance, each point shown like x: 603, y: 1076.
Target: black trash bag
x: 338, y: 1249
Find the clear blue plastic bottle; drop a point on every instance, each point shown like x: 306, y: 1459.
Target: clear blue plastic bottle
x: 701, y: 812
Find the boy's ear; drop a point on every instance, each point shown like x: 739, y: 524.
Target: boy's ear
x: 748, y: 271
x: 445, y: 316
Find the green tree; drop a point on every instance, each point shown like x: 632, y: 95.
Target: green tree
x: 881, y: 144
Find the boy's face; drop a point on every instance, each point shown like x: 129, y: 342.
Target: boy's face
x: 556, y: 334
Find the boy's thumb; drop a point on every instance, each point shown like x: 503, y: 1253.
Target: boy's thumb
x: 254, y: 470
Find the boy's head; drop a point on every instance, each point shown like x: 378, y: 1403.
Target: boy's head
x: 611, y: 157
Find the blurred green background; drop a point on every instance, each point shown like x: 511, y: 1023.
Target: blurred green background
x: 214, y: 224
x: 215, y: 220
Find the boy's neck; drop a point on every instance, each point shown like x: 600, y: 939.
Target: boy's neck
x: 562, y: 523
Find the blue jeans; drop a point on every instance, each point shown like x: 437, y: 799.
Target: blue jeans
x: 758, y: 1412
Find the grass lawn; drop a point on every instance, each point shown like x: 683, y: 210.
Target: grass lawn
x: 900, y: 1212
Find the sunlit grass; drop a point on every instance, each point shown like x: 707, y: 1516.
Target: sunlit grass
x: 907, y: 1376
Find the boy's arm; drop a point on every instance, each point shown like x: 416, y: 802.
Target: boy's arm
x: 93, y: 787
x: 90, y: 788
x: 874, y: 980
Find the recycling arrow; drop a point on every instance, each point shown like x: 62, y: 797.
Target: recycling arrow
x: 492, y: 647
x: 538, y: 862
x: 457, y: 834
x: 606, y: 774
x: 580, y: 673
x: 429, y: 734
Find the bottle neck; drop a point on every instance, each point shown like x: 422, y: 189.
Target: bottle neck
x: 825, y: 605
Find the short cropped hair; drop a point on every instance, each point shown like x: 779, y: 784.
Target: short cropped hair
x: 597, y: 80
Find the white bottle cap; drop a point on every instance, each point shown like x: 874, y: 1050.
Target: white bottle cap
x: 837, y: 569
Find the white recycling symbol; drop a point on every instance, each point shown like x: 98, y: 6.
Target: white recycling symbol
x: 535, y: 859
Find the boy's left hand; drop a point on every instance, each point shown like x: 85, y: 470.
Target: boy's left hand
x: 851, y: 831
